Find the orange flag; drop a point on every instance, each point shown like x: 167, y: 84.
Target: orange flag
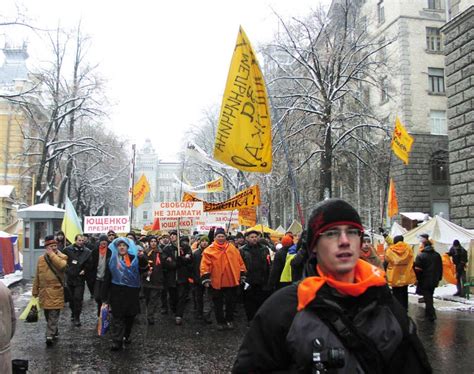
x: 392, y: 200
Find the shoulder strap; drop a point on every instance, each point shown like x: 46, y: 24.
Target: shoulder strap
x: 51, y: 267
x: 366, y: 352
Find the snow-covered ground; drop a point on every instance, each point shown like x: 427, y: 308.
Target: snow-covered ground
x: 444, y: 299
x: 13, y: 278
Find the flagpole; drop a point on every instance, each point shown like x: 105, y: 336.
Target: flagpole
x: 386, y: 187
x: 132, y: 179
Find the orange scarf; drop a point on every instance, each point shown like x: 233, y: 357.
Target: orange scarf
x: 126, y: 259
x: 102, y: 250
x: 221, y: 247
x: 365, y: 276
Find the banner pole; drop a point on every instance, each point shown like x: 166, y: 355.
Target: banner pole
x: 132, y: 180
x: 387, y: 183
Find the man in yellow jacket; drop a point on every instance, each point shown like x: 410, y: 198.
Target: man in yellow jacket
x: 399, y: 260
x: 48, y: 286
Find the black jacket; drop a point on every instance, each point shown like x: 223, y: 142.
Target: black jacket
x: 277, y: 267
x: 258, y: 264
x: 123, y: 300
x: 380, y: 337
x: 459, y: 256
x: 197, y: 257
x: 153, y: 277
x: 428, y: 268
x: 179, y: 268
x: 95, y: 261
x: 78, y: 259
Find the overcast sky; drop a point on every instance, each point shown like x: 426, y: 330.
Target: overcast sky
x: 165, y: 61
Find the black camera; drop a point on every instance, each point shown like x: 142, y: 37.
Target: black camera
x: 325, y: 358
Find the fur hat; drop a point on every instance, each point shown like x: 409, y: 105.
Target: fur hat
x: 103, y: 238
x: 49, y: 239
x: 218, y: 231
x: 329, y: 213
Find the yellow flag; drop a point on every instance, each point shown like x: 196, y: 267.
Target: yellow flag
x: 392, y: 200
x: 71, y: 226
x: 140, y: 189
x: 248, y: 216
x: 244, y: 136
x: 401, y: 141
x: 216, y: 185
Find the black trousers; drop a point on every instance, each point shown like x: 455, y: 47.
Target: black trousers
x: 201, y: 297
x: 98, y: 294
x: 401, y: 294
x: 461, y: 279
x: 76, y: 298
x: 121, y: 327
x: 254, y: 297
x: 430, y: 312
x: 224, y: 298
x: 152, y: 300
x: 164, y: 299
x: 182, y: 293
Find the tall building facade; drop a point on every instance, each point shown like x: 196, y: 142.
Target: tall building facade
x: 413, y: 88
x: 161, y: 178
x: 14, y: 79
x: 459, y: 51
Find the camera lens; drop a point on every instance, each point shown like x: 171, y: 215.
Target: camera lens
x: 336, y: 358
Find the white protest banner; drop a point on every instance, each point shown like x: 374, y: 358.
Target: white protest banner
x: 172, y: 223
x: 220, y: 217
x: 103, y: 224
x: 180, y: 209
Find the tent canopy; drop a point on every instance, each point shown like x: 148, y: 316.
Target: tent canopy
x: 265, y: 229
x: 295, y: 227
x: 397, y: 229
x: 441, y: 231
x: 280, y: 229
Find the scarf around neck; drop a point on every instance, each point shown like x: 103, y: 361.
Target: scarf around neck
x: 365, y: 276
x: 221, y: 247
x: 102, y: 250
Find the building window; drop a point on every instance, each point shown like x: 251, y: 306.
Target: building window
x: 435, y: 4
x: 384, y: 89
x: 381, y: 11
x: 439, y: 167
x: 145, y: 214
x: 436, y: 80
x: 433, y: 39
x: 439, y: 125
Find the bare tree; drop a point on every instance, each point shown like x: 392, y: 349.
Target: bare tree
x: 321, y: 64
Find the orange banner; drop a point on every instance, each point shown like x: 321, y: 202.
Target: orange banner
x: 248, y: 217
x: 250, y: 197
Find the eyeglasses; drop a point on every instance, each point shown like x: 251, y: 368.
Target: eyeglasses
x: 336, y: 234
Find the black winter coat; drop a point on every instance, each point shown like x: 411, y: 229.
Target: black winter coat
x: 258, y: 264
x: 123, y: 300
x: 78, y: 259
x: 178, y: 269
x: 197, y: 257
x: 95, y: 261
x: 459, y: 256
x: 277, y: 267
x: 280, y: 338
x: 156, y: 278
x: 428, y: 268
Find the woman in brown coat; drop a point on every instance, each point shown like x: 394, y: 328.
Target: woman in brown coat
x: 48, y: 286
x: 7, y: 328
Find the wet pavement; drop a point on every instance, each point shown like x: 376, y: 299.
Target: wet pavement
x: 195, y: 347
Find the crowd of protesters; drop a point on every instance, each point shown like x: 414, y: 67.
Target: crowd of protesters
x: 286, y: 287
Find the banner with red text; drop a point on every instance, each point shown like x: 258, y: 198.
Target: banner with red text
x: 103, y: 224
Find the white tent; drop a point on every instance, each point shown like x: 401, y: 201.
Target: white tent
x: 397, y: 229
x: 281, y: 229
x: 442, y: 232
